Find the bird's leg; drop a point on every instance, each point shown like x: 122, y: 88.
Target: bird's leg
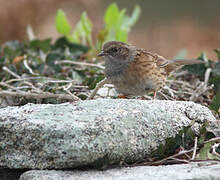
x: 98, y: 86
x: 155, y: 94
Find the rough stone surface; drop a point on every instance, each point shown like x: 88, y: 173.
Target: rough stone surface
x: 107, y: 92
x: 91, y: 132
x: 171, y: 172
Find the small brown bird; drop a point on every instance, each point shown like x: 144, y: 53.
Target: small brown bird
x: 135, y: 71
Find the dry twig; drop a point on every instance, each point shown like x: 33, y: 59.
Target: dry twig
x: 10, y: 72
x: 28, y: 67
x: 213, y: 140
x: 42, y: 95
x: 98, y: 86
x: 214, y: 147
x: 80, y: 63
x: 203, y: 87
x: 165, y: 159
x: 195, y: 148
x: 67, y: 90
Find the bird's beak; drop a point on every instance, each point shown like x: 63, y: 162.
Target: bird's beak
x: 102, y: 53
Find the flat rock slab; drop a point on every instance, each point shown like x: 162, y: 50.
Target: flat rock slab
x: 171, y: 172
x: 96, y: 132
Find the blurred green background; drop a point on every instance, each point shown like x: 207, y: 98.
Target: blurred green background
x: 164, y: 27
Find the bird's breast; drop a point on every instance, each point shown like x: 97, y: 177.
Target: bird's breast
x: 137, y: 78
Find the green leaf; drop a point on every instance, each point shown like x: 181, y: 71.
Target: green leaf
x: 203, y: 56
x: 117, y: 24
x: 62, y: 44
x: 82, y: 96
x: 87, y: 28
x: 62, y: 24
x: 113, y: 20
x: 111, y: 36
x: 83, y: 31
x: 215, y: 78
x: 215, y: 104
x: 205, y: 154
x: 218, y: 53
x: 77, y: 77
x: 216, y: 81
x: 198, y: 69
x: 122, y: 35
x: 86, y: 24
x: 216, y: 69
x: 201, y: 139
x: 77, y: 34
x: 130, y: 21
x: 11, y: 49
x: 111, y: 16
x: 43, y: 45
x: 50, y: 59
x: 120, y: 20
x: 92, y: 81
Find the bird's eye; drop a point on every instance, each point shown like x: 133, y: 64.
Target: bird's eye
x: 114, y: 50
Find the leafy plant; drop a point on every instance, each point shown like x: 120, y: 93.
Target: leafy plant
x: 204, y: 153
x: 185, y: 140
x: 62, y: 24
x: 218, y: 53
x: 172, y: 144
x: 41, y: 56
x: 117, y: 27
x: 82, y: 34
x: 200, y: 70
x: 118, y: 24
x: 83, y: 31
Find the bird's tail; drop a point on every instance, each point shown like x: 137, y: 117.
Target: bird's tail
x: 185, y: 61
x: 175, y: 64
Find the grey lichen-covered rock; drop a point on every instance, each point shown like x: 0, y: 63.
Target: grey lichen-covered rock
x: 94, y: 132
x: 204, y: 171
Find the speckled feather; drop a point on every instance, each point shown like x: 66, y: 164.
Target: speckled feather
x: 146, y: 73
x: 135, y: 71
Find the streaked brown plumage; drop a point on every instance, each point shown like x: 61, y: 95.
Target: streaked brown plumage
x: 135, y: 71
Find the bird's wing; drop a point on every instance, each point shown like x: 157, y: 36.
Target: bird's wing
x: 161, y: 62
x: 146, y: 56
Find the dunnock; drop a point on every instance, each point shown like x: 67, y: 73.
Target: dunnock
x: 135, y: 71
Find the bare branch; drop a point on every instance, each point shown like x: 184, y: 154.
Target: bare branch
x: 42, y: 95
x: 10, y: 72
x: 12, y: 87
x: 165, y: 96
x: 165, y: 159
x: 25, y: 79
x: 207, y: 75
x: 7, y: 85
x: 194, y: 149
x: 67, y: 90
x: 98, y: 86
x: 203, y: 87
x: 79, y: 63
x: 212, y: 140
x: 214, y: 147
x: 28, y: 67
x: 181, y: 160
